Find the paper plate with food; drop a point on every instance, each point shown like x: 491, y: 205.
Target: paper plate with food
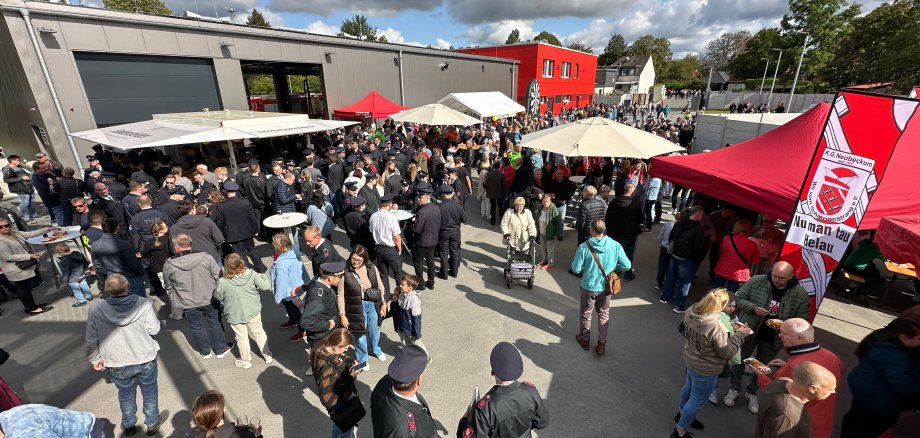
x: 774, y: 323
x: 754, y: 363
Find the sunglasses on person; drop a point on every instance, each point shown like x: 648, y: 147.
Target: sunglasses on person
x: 2, y: 226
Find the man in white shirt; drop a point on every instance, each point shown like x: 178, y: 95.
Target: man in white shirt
x: 385, y: 229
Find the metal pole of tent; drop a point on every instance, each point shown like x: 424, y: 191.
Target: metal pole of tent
x: 232, y: 153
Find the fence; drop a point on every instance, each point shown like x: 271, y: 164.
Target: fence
x: 800, y: 102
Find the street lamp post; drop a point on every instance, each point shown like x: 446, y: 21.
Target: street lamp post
x: 775, y: 72
x: 797, y: 70
x: 764, y: 79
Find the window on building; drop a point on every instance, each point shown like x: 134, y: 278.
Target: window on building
x: 567, y: 98
x: 548, y: 66
x: 566, y: 70
x: 576, y: 71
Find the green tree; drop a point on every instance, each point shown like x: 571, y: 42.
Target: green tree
x: 358, y: 26
x: 750, y: 64
x: 616, y: 48
x: 882, y: 48
x: 155, y: 7
x: 577, y: 45
x: 681, y: 70
x: 722, y: 49
x: 513, y: 37
x: 259, y: 84
x: 257, y: 19
x: 548, y: 38
x: 659, y: 48
x: 383, y: 39
x: 826, y: 22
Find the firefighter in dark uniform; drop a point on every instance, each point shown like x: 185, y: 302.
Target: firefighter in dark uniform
x: 320, y: 308
x: 321, y: 250
x: 405, y: 198
x: 426, y: 229
x: 398, y: 410
x: 356, y: 227
x: 350, y: 191
x: 510, y: 408
x: 370, y: 193
x: 452, y: 215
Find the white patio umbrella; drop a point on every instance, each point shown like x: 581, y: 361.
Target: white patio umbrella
x: 599, y: 137
x: 435, y: 114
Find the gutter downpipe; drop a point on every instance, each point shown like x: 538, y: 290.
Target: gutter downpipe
x: 402, y: 87
x: 54, y: 96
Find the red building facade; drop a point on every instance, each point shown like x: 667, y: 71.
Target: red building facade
x: 565, y: 76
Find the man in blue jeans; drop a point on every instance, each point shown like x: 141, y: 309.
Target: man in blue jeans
x: 190, y: 279
x: 119, y: 337
x: 689, y: 243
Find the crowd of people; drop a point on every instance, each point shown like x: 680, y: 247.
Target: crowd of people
x: 189, y: 235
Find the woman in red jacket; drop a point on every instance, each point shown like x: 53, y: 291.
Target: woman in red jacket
x: 738, y: 253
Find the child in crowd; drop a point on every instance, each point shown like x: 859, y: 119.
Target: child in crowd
x: 728, y: 316
x: 73, y: 272
x: 407, y: 312
x: 156, y: 251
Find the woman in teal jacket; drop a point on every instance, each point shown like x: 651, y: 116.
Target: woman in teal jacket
x: 287, y: 273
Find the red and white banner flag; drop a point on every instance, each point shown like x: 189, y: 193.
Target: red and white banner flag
x: 860, y: 135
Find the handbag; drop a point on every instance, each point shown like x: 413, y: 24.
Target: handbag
x: 25, y: 265
x: 348, y: 414
x: 373, y: 294
x: 613, y: 285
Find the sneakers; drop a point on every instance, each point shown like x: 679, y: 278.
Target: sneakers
x: 244, y: 364
x: 663, y: 301
x: 686, y: 434
x: 382, y: 357
x: 269, y: 359
x: 79, y: 304
x: 152, y: 430
x: 657, y: 287
x: 298, y: 336
x: 714, y: 397
x: 678, y: 310
x: 584, y: 342
x: 730, y: 397
x: 288, y: 324
x: 226, y: 351
x: 694, y: 424
x: 208, y: 356
x: 129, y: 431
x: 751, y: 402
x: 88, y: 297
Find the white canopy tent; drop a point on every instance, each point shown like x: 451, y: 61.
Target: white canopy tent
x: 206, y: 126
x: 599, y: 137
x: 483, y: 104
x: 435, y: 114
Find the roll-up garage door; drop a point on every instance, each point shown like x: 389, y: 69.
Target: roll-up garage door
x: 130, y: 88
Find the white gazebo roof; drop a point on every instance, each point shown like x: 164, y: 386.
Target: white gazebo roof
x: 483, y: 104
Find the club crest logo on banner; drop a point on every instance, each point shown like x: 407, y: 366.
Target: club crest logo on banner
x: 838, y: 184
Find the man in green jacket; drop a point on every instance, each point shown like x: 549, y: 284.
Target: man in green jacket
x: 548, y: 224
x: 775, y: 296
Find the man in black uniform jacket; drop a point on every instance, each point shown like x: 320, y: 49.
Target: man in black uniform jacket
x: 452, y: 215
x: 397, y: 409
x: 370, y: 193
x: 510, y: 408
x: 321, y: 250
x: 426, y: 228
x: 237, y: 220
x: 320, y: 309
x: 356, y: 224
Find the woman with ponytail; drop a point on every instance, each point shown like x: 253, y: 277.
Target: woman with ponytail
x: 208, y: 413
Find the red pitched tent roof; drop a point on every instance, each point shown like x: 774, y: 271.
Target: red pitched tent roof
x: 765, y: 173
x: 372, y: 106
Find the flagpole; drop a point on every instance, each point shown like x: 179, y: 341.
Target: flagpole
x: 797, y: 70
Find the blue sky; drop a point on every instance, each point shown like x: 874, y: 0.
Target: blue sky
x: 690, y: 24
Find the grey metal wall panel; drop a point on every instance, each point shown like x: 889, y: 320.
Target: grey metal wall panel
x: 192, y: 43
x: 160, y: 41
x: 128, y: 88
x: 125, y: 38
x: 230, y: 84
x: 83, y: 35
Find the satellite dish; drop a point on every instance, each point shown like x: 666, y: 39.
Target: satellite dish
x: 533, y: 97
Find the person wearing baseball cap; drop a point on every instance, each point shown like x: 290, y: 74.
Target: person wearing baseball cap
x: 397, y: 408
x: 510, y: 408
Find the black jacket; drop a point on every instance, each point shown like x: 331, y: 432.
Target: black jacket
x: 112, y: 255
x: 562, y: 190
x: 372, y: 197
x: 506, y: 411
x: 495, y: 184
x: 589, y: 210
x: 70, y: 188
x: 323, y: 253
x: 393, y: 184
x: 357, y: 229
x: 391, y: 414
x: 12, y: 176
x: 111, y: 207
x: 236, y: 219
x: 320, y: 306
x: 255, y: 189
x: 623, y: 218
x: 689, y: 240
x: 141, y: 223
x: 452, y: 215
x: 427, y: 225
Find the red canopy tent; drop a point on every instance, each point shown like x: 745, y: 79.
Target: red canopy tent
x: 372, y: 106
x: 765, y: 173
x: 899, y: 238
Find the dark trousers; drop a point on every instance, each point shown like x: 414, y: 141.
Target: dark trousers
x: 390, y: 265
x: 495, y: 207
x: 155, y: 282
x: 449, y: 247
x: 426, y: 254
x: 713, y: 260
x: 679, y: 194
x: 629, y: 247
x: 649, y: 207
x: 293, y: 312
x: 664, y: 260
x: 204, y: 323
x: 765, y: 353
x: 862, y: 421
x: 24, y: 291
x: 248, y: 247
x: 66, y: 218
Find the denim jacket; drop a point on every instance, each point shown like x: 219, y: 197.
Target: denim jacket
x: 286, y: 273
x: 33, y: 421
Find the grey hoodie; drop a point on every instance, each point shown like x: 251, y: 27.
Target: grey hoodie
x: 206, y: 237
x: 190, y: 279
x: 709, y: 346
x: 119, y: 330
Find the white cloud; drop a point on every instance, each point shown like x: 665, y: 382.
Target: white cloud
x: 440, y: 43
x: 497, y: 33
x: 478, y: 11
x: 392, y: 35
x: 384, y: 8
x: 319, y: 27
x: 274, y: 18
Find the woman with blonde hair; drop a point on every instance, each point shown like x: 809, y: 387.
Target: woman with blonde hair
x: 411, y: 172
x: 518, y: 226
x: 239, y: 290
x: 335, y: 379
x: 19, y: 263
x: 208, y: 412
x: 287, y: 273
x: 708, y: 347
